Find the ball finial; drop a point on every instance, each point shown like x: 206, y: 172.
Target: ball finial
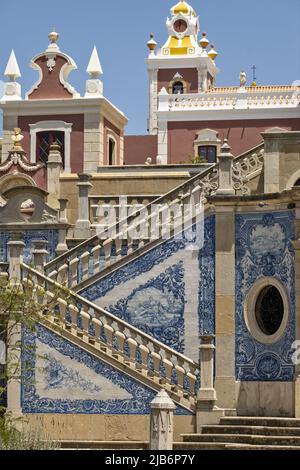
x: 152, y: 43
x: 53, y: 37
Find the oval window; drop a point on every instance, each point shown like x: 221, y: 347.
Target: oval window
x: 269, y: 310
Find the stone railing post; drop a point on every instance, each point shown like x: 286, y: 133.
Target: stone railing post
x: 39, y: 254
x: 225, y: 159
x: 207, y: 411
x: 82, y: 227
x: 62, y: 246
x: 15, y: 257
x: 54, y: 169
x: 161, y: 422
x: 63, y: 210
x: 14, y: 406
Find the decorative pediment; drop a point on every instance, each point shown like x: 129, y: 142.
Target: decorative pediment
x: 27, y: 204
x: 54, y: 68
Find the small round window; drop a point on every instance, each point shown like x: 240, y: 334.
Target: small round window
x: 269, y: 310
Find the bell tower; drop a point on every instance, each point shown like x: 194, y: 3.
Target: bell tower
x: 182, y: 65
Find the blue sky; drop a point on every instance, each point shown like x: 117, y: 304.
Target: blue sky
x: 265, y: 33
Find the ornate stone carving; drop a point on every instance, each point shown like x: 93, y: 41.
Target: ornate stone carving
x: 245, y: 169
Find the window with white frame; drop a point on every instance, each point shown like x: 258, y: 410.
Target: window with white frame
x: 43, y: 134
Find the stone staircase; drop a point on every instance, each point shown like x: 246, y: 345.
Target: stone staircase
x: 245, y: 433
x: 87, y: 262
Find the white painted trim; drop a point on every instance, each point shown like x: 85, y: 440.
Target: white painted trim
x: 63, y: 76
x: 249, y: 310
x: 110, y: 135
x: 229, y: 114
x: 184, y: 62
x: 44, y: 126
x: 292, y: 180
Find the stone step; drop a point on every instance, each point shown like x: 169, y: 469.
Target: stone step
x: 256, y: 430
x: 226, y: 446
x: 104, y: 445
x: 259, y: 421
x: 243, y: 439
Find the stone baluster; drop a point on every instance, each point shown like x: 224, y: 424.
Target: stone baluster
x: 62, y: 306
x: 156, y: 358
x: 73, y: 268
x: 83, y: 225
x: 145, y: 351
x: 54, y: 169
x: 98, y: 326
x: 168, y: 365
x: 132, y: 344
x: 120, y: 338
x: 161, y: 422
x: 107, y: 246
x: 85, y: 257
x: 74, y: 318
x: 225, y: 159
x: 95, y: 254
x: 180, y: 372
x: 62, y: 274
x: 109, y: 333
x: 39, y: 254
x: 207, y: 412
x: 85, y: 322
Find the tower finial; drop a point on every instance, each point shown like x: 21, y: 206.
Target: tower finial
x: 53, y: 38
x: 152, y: 43
x: 94, y: 67
x: 12, y: 70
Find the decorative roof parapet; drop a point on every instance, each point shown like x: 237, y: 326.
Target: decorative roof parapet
x: 54, y: 68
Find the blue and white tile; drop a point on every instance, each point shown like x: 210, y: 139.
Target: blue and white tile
x: 60, y: 377
x: 264, y: 249
x: 168, y: 292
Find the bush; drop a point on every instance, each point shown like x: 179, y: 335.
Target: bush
x: 12, y: 439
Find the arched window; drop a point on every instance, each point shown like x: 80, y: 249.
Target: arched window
x: 44, y: 141
x: 177, y: 88
x: 111, y: 152
x: 297, y: 182
x: 208, y: 153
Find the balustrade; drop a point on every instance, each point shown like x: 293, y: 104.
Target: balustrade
x: 115, y: 338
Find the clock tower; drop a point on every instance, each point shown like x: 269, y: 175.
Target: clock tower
x: 183, y: 65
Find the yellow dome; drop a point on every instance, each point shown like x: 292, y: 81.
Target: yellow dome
x: 184, y: 8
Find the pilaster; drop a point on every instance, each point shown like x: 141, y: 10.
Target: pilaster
x: 225, y: 307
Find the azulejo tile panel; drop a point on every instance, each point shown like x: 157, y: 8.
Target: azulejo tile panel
x: 51, y: 236
x: 264, y: 249
x: 60, y: 377
x: 169, y: 292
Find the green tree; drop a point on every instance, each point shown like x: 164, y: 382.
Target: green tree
x: 19, y: 309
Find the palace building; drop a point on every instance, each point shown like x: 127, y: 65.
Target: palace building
x: 88, y: 210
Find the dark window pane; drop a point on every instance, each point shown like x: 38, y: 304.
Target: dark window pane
x: 211, y: 154
x: 269, y: 310
x: 297, y: 182
x: 44, y: 142
x: 178, y: 88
